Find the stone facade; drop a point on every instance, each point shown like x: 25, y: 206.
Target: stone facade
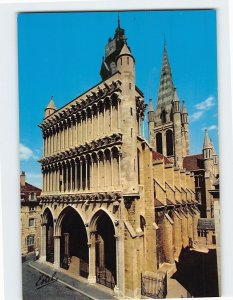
x: 30, y: 216
x: 112, y: 207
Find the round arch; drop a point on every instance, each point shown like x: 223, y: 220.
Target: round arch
x: 103, y: 226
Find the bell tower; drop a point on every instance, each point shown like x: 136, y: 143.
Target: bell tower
x: 112, y: 51
x: 168, y: 130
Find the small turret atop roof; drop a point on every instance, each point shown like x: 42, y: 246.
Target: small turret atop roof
x: 51, y: 108
x: 150, y: 107
x: 207, y: 143
x: 184, y: 110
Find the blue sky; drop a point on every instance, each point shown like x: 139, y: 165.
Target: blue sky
x: 60, y: 54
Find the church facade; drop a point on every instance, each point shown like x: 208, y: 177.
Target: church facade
x: 114, y: 208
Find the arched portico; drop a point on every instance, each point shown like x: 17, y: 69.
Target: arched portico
x: 102, y: 251
x: 47, y: 236
x: 72, y: 242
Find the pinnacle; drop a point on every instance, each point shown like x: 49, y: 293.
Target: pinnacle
x: 150, y: 107
x: 51, y: 104
x: 207, y: 142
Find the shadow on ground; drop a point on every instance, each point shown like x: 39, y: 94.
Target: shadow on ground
x: 197, y: 272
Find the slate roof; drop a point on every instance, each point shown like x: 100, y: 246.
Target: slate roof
x: 159, y: 156
x: 194, y: 162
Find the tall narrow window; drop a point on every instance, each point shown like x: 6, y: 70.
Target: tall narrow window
x: 131, y: 111
x: 131, y: 132
x: 169, y: 142
x: 159, y: 143
x: 127, y: 60
x: 130, y: 86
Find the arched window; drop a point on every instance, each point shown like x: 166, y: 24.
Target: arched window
x: 169, y: 142
x: 159, y: 143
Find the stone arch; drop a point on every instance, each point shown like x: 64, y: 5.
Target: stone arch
x: 102, y: 225
x: 48, y: 238
x: 74, y: 254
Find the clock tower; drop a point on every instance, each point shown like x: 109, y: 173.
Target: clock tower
x: 112, y: 51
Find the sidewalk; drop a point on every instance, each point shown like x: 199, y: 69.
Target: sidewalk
x: 86, y: 289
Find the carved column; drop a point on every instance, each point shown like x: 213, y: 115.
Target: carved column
x: 71, y: 174
x: 111, y: 160
x: 92, y: 125
x: 110, y: 116
x: 57, y: 251
x: 98, y: 120
x: 86, y: 186
x: 81, y: 177
x: 92, y: 259
x: 63, y: 178
x: 67, y: 177
x: 81, y: 119
x: 118, y: 115
x: 104, y: 119
x: 119, y: 168
x: 105, y: 171
x: 86, y: 128
x: 92, y: 173
x: 98, y: 169
x: 43, y: 243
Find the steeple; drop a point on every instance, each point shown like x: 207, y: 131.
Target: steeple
x: 166, y: 90
x: 207, y: 143
x: 51, y: 108
x: 112, y: 51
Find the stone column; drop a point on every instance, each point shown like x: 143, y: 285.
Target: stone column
x: 92, y: 125
x: 105, y: 173
x: 111, y: 154
x: 86, y: 128
x: 57, y: 251
x: 75, y: 175
x: 86, y: 163
x: 120, y: 270
x: 43, y: 181
x: 63, y: 178
x: 92, y: 259
x: 43, y: 243
x: 67, y: 177
x: 119, y: 169
x: 92, y: 173
x: 71, y: 177
x: 111, y: 116
x: 98, y: 120
x: 81, y: 177
x: 81, y: 129
x: 98, y: 171
x: 104, y: 119
x: 118, y: 115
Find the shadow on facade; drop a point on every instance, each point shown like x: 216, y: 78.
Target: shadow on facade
x: 197, y: 272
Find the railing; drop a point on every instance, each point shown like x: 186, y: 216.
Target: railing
x: 154, y: 287
x: 105, y: 277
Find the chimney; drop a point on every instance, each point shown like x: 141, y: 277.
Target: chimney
x: 22, y: 178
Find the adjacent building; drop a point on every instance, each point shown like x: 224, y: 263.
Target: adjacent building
x: 30, y: 216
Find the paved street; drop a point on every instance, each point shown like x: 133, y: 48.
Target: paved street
x: 54, y: 290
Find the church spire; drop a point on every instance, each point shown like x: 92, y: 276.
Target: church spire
x: 166, y: 89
